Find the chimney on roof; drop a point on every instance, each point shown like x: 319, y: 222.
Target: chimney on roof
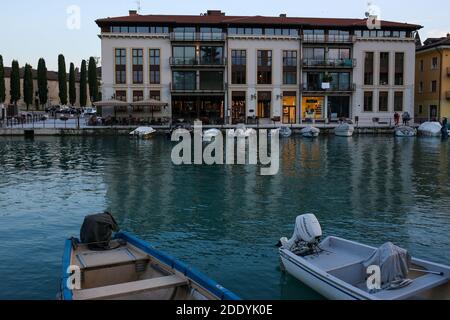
x: 283, y: 15
x: 215, y: 13
x: 133, y: 12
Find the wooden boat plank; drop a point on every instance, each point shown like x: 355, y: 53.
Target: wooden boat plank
x: 109, y: 292
x: 94, y: 259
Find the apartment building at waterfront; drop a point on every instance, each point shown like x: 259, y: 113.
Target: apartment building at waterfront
x: 432, y: 100
x: 234, y: 69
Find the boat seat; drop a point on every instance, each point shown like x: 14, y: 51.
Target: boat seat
x: 96, y: 259
x: 109, y: 292
x: 419, y: 285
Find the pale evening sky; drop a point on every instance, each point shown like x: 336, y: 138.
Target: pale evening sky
x: 32, y: 29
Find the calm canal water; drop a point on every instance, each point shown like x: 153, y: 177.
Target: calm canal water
x: 223, y: 220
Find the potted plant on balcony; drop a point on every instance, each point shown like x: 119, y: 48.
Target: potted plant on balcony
x: 326, y: 81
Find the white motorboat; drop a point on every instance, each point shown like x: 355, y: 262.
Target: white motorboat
x: 310, y: 132
x: 430, y: 129
x: 341, y: 269
x: 208, y: 135
x: 344, y: 130
x: 405, y: 131
x: 143, y: 132
x: 285, y: 132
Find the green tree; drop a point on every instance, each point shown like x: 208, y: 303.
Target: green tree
x: 28, y: 86
x: 42, y: 82
x: 72, y: 86
x: 2, y: 81
x: 83, y: 84
x: 15, y: 83
x: 93, y: 81
x: 62, y: 79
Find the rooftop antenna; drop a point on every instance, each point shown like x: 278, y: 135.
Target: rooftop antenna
x: 138, y: 4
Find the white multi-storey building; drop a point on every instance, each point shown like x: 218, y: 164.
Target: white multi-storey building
x: 234, y: 69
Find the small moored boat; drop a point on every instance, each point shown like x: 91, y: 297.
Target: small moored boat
x: 143, y: 132
x: 127, y: 268
x: 430, y: 129
x: 405, y: 131
x: 310, y: 132
x: 285, y: 132
x: 344, y: 130
x: 208, y: 135
x: 339, y: 269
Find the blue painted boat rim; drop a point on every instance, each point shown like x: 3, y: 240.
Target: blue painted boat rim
x: 66, y: 293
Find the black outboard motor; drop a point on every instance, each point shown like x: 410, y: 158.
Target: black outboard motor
x: 97, y: 231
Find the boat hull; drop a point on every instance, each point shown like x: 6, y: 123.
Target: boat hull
x: 310, y: 135
x: 405, y: 132
x: 315, y: 280
x: 134, y: 270
x: 344, y: 133
x: 338, y: 273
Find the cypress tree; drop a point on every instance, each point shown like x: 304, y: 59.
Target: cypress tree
x: 92, y: 78
x: 42, y: 82
x: 28, y: 85
x: 83, y: 84
x: 62, y: 79
x: 72, y: 87
x: 2, y: 82
x: 15, y: 83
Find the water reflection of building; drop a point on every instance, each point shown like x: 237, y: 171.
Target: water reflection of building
x: 381, y: 178
x: 139, y: 188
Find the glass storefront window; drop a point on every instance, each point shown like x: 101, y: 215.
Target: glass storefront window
x: 264, y: 104
x: 238, y: 107
x: 289, y: 108
x: 312, y: 107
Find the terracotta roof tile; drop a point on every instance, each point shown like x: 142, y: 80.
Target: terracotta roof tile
x: 248, y: 20
x: 433, y: 43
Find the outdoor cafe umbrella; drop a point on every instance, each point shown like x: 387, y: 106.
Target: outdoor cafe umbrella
x: 152, y: 103
x: 111, y: 103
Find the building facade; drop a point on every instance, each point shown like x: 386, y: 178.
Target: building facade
x: 432, y: 100
x: 227, y: 69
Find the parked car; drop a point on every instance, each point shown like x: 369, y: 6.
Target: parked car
x: 90, y: 112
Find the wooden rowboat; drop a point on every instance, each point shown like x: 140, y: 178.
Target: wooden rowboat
x: 134, y: 270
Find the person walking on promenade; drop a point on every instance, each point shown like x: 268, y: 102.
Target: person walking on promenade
x: 444, y: 129
x: 406, y: 117
x: 396, y: 118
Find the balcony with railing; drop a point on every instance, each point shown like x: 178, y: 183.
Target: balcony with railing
x: 197, y: 62
x: 319, y: 87
x: 197, y: 36
x: 328, y: 63
x: 315, y: 38
x: 217, y: 88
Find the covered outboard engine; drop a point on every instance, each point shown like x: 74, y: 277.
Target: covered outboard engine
x: 307, y: 234
x: 97, y: 231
